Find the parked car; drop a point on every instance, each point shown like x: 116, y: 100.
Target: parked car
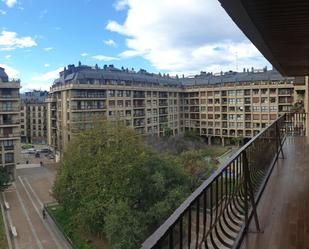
x: 31, y: 151
x: 37, y: 154
x: 45, y: 151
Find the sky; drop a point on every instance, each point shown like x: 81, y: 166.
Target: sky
x: 38, y: 38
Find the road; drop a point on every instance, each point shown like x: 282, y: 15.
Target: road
x: 26, y: 197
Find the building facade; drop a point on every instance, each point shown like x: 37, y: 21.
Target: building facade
x: 235, y: 105
x: 218, y: 107
x: 9, y: 123
x: 33, y: 115
x: 148, y: 103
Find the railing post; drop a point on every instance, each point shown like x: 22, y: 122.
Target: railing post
x: 278, y: 142
x: 249, y: 191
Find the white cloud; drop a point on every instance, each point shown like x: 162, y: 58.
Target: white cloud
x: 2, y: 12
x: 11, y: 72
x: 26, y: 86
x: 187, y: 36
x: 130, y: 53
x: 48, y: 76
x: 10, y: 3
x: 46, y: 65
x: 8, y: 56
x: 84, y: 54
x: 104, y: 58
x: 48, y: 49
x: 110, y: 42
x: 121, y: 4
x: 10, y: 41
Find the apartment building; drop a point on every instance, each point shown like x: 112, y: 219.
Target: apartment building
x: 218, y: 107
x: 222, y: 107
x: 146, y: 102
x: 33, y: 117
x: 9, y: 123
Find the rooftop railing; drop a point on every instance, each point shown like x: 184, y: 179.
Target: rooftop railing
x: 218, y: 213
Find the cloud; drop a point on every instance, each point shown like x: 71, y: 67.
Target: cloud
x: 11, y: 72
x: 2, y: 12
x: 48, y: 76
x: 189, y: 36
x: 110, y: 42
x: 104, y: 58
x: 8, y: 56
x: 48, y: 49
x: 130, y: 53
x: 46, y: 65
x: 10, y: 3
x: 121, y: 4
x: 27, y: 87
x: 11, y: 41
x: 84, y: 54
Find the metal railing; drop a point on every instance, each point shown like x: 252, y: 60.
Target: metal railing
x: 218, y: 213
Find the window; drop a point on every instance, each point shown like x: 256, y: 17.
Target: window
x: 128, y: 93
x: 255, y: 108
x: 273, y: 108
x: 111, y: 93
x: 231, y: 101
x: 231, y: 92
x: 264, y: 108
x: 232, y: 116
x: 9, y: 157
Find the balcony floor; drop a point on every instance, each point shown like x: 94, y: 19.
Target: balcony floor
x: 284, y: 207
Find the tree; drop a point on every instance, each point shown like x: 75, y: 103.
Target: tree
x: 168, y: 132
x: 4, y: 179
x: 115, y: 186
x: 238, y: 140
x: 196, y: 167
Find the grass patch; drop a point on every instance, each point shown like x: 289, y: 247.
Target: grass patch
x: 78, y: 239
x: 3, y: 241
x: 214, y: 151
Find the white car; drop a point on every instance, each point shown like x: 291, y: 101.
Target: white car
x: 31, y: 151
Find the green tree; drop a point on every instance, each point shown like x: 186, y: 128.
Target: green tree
x: 168, y: 132
x: 196, y: 167
x: 115, y: 186
x: 4, y: 179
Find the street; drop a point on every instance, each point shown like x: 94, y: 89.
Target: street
x: 25, y: 197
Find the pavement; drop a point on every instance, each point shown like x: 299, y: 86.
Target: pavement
x: 26, y: 197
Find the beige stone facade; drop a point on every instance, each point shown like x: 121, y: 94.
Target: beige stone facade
x: 34, y: 117
x: 219, y: 112
x: 9, y: 123
x: 72, y: 108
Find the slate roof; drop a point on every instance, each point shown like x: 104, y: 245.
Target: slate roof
x: 35, y: 96
x: 3, y: 76
x: 82, y: 72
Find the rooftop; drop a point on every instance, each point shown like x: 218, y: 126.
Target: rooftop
x: 83, y: 73
x: 35, y: 96
x: 3, y: 76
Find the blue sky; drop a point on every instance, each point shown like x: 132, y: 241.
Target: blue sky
x: 37, y: 38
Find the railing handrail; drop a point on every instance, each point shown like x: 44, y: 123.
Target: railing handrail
x: 177, y: 214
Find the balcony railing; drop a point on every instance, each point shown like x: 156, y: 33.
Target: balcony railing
x: 10, y: 135
x: 9, y: 109
x: 218, y: 213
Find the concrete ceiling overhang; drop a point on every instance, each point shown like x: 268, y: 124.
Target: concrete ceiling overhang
x: 278, y: 28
